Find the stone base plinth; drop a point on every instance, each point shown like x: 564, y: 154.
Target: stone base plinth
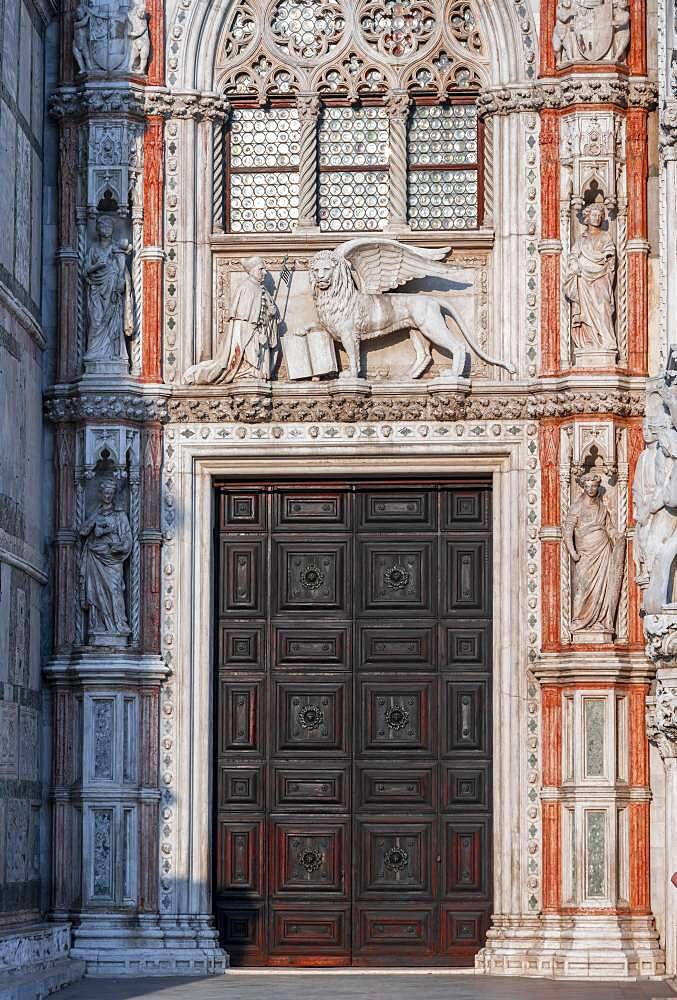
x: 595, y: 359
x: 186, y: 947
x: 35, y: 961
x: 573, y: 947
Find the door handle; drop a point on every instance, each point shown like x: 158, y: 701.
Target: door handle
x: 438, y: 858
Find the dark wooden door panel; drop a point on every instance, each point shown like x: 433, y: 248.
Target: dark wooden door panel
x: 310, y: 858
x: 397, y: 858
x: 311, y: 716
x: 353, y: 723
x: 310, y: 789
x: 396, y: 716
x: 394, y: 647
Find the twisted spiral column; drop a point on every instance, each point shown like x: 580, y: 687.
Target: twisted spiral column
x: 308, y: 111
x: 219, y: 123
x: 398, y: 112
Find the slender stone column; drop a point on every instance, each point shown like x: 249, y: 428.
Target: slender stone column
x: 308, y: 110
x: 398, y: 111
x: 153, y: 255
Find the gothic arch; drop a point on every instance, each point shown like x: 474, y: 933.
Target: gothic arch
x: 195, y: 29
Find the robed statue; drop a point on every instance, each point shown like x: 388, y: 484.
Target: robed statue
x: 598, y: 554
x: 106, y: 545
x: 589, y: 285
x: 250, y: 347
x: 654, y: 492
x: 110, y: 303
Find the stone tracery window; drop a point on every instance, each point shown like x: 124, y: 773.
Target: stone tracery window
x: 352, y: 117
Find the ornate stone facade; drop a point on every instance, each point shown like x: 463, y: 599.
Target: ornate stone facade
x: 277, y: 229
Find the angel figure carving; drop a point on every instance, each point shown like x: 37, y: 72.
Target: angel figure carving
x: 348, y: 285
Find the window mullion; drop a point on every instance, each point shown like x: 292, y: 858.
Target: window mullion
x: 397, y: 106
x: 308, y: 109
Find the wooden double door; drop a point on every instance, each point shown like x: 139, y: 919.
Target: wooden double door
x: 353, y: 722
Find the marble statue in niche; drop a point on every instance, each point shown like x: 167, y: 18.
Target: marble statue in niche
x: 109, y: 38
x: 250, y: 347
x: 589, y: 287
x: 591, y: 31
x: 654, y: 492
x: 348, y: 285
x: 110, y: 301
x: 598, y: 553
x: 106, y: 545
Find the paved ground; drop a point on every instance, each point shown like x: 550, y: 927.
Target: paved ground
x: 374, y: 986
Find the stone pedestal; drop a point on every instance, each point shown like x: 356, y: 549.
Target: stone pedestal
x: 595, y: 359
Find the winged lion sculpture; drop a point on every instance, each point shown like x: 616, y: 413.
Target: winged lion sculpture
x: 348, y: 285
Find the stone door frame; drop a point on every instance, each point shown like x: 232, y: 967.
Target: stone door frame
x: 195, y: 454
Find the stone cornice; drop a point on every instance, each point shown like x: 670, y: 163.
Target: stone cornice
x: 603, y: 667
x: 319, y: 402
x: 95, y: 97
x: 559, y: 94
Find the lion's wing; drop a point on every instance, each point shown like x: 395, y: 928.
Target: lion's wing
x: 381, y: 265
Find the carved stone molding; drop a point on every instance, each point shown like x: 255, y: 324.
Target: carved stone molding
x: 95, y: 99
x: 188, y: 104
x: 661, y: 718
x: 661, y: 637
x: 349, y: 407
x: 562, y: 94
x: 106, y: 406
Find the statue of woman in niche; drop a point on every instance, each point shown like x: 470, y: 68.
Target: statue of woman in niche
x: 110, y: 308
x: 598, y: 553
x: 107, y: 542
x: 250, y: 347
x: 589, y: 285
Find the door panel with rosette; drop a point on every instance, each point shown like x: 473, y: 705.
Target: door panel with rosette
x: 353, y: 709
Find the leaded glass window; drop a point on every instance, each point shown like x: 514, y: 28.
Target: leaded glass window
x: 354, y: 148
x: 443, y: 167
x: 263, y: 170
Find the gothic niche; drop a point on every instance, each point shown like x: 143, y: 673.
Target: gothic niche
x: 589, y: 288
x: 111, y: 38
x: 109, y: 302
x: 593, y: 541
x: 592, y: 31
x: 107, y: 532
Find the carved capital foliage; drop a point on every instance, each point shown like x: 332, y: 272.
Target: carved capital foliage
x: 191, y: 104
x: 230, y: 405
x: 661, y: 718
x: 561, y: 94
x: 94, y: 99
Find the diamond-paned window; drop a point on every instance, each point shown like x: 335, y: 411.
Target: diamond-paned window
x: 443, y: 167
x: 354, y: 147
x: 263, y: 162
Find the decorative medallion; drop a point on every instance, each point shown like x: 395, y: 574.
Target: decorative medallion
x: 311, y: 577
x: 396, y: 859
x: 311, y: 860
x: 307, y: 28
x: 310, y: 717
x: 397, y: 577
x: 464, y: 28
x: 397, y: 717
x: 397, y: 28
